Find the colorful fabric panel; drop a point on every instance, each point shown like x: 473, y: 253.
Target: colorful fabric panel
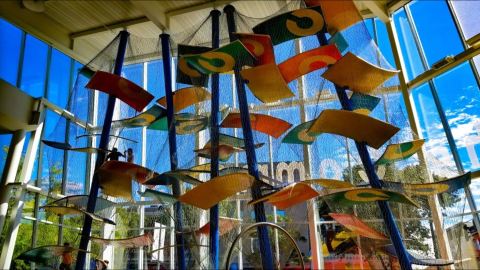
x: 143, y: 240
x: 186, y: 97
x: 144, y: 119
x: 357, y: 226
x: 221, y: 60
x: 292, y: 25
x: 400, y: 151
x: 356, y: 126
x: 187, y: 74
x: 267, y: 124
x: 362, y: 103
x: 216, y: 190
x: 121, y: 88
x: 259, y: 46
x: 299, y: 134
x: 357, y: 74
x: 309, y: 61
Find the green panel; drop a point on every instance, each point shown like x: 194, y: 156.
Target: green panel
x: 221, y: 60
x: 363, y: 103
x: 292, y: 25
x: 186, y: 74
x: 299, y: 135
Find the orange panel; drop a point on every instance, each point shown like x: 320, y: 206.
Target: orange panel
x: 224, y: 225
x: 121, y: 88
x: 308, y: 61
x: 186, y: 97
x: 357, y: 74
x: 132, y: 242
x: 217, y: 189
x: 357, y: 226
x: 356, y: 126
x: 289, y: 196
x: 258, y: 45
x: 137, y: 172
x: 267, y: 124
x: 266, y: 83
x: 338, y: 15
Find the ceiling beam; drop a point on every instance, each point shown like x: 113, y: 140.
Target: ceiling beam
x: 192, y: 8
x: 154, y: 11
x: 378, y: 8
x: 108, y: 27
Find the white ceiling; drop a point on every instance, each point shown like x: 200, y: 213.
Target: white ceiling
x: 82, y: 28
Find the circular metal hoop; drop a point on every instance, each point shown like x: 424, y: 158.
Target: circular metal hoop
x: 268, y: 224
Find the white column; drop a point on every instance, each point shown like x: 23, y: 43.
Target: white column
x: 15, y: 218
x: 10, y: 172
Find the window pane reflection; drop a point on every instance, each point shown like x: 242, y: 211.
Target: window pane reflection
x: 460, y: 96
x: 467, y: 14
x: 10, y: 44
x: 34, y: 67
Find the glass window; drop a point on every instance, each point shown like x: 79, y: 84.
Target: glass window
x: 383, y: 41
x: 476, y: 60
x: 437, y: 150
x: 436, y: 29
x: 411, y: 57
x: 10, y: 44
x: 467, y: 14
x: 459, y: 94
x: 34, y: 67
x: 59, y: 78
x: 4, y: 145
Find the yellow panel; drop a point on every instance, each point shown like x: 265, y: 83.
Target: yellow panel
x: 62, y: 210
x: 359, y: 127
x: 338, y: 15
x: 217, y: 189
x: 116, y: 184
x: 186, y: 97
x: 357, y: 74
x: 266, y: 83
x: 329, y: 183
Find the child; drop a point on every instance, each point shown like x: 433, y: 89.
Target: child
x: 67, y: 259
x: 129, y: 155
x: 114, y: 155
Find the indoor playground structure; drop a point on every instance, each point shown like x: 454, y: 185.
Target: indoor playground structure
x: 280, y: 142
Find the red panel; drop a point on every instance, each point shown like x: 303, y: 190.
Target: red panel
x: 267, y: 124
x: 309, y: 61
x: 258, y: 45
x: 121, y: 88
x: 357, y: 226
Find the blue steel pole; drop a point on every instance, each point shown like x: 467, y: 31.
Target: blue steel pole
x: 265, y: 248
x: 387, y: 215
x: 107, y: 123
x: 172, y: 142
x: 214, y: 130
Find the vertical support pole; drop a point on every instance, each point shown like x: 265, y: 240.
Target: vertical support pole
x: 312, y: 212
x: 265, y: 248
x: 12, y: 163
x: 402, y: 254
x: 92, y: 197
x: 214, y: 137
x: 172, y: 142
